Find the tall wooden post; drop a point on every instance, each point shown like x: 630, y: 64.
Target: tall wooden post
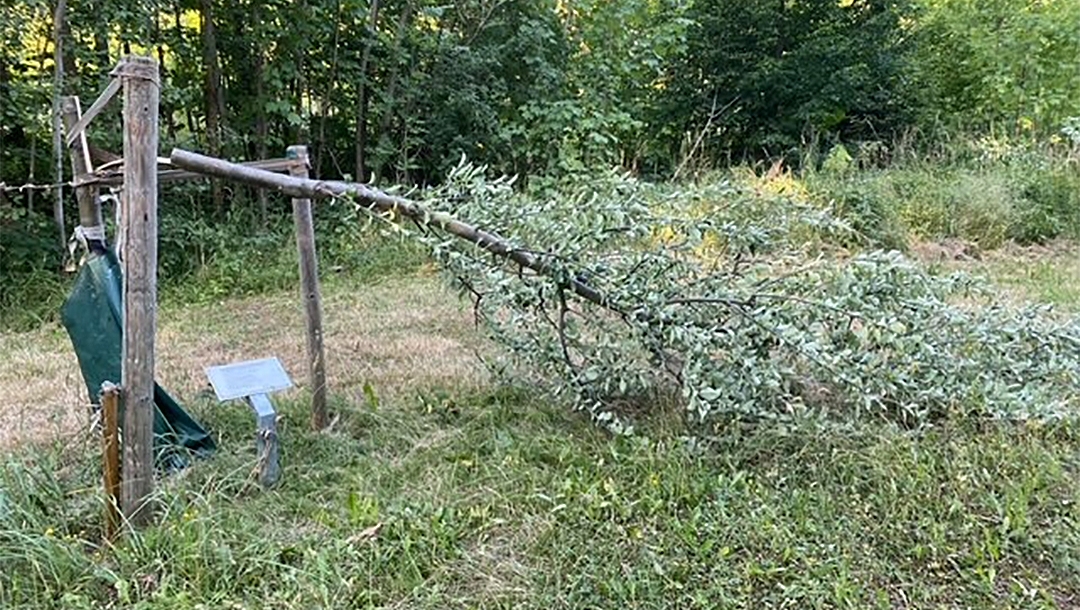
x: 139, y: 230
x: 309, y: 286
x: 89, y: 207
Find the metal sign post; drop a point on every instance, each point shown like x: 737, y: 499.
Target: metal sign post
x: 253, y: 380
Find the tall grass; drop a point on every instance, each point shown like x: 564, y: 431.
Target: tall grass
x: 984, y: 191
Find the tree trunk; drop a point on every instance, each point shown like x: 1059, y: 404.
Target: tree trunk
x: 33, y: 175
x: 71, y: 71
x: 5, y: 78
x: 166, y: 109
x: 328, y: 91
x: 101, y: 46
x: 362, y: 103
x: 301, y: 86
x: 59, y: 21
x: 395, y: 74
x: 261, y: 130
x: 212, y: 95
x: 181, y: 47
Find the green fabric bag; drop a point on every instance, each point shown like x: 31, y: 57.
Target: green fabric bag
x: 93, y: 319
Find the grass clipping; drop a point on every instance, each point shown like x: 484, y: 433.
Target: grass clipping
x: 746, y: 305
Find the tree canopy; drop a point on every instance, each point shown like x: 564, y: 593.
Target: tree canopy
x: 399, y: 90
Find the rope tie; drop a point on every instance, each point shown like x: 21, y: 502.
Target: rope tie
x: 80, y: 239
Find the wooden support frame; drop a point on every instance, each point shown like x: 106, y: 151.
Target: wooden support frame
x: 112, y: 174
x: 78, y: 128
x: 309, y: 289
x: 139, y: 232
x: 90, y: 218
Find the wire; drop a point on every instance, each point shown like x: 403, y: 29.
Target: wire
x: 5, y: 187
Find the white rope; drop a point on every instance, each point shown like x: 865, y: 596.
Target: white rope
x: 80, y: 239
x: 13, y: 188
x: 119, y: 245
x: 88, y: 234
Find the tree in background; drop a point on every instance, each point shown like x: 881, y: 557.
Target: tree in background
x: 1010, y: 63
x: 758, y: 75
x: 398, y: 90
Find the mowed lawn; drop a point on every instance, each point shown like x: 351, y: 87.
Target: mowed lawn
x: 442, y: 486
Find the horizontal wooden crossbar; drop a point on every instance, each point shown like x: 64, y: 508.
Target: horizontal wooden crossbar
x: 113, y: 175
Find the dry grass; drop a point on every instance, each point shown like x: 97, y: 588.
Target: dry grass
x: 44, y: 394
x: 401, y: 336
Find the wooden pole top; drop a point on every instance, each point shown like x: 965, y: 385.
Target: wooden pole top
x: 137, y: 66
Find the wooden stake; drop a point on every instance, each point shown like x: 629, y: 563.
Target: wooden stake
x: 309, y: 287
x: 139, y: 230
x: 81, y: 166
x: 110, y: 405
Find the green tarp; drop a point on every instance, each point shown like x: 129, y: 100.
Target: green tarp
x: 93, y: 319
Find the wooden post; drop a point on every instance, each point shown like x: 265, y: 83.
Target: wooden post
x: 309, y: 286
x: 139, y: 231
x: 110, y: 399
x: 81, y: 166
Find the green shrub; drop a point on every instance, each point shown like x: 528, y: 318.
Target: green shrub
x: 981, y: 208
x: 1049, y: 203
x: 203, y: 259
x: 1024, y: 197
x: 860, y: 201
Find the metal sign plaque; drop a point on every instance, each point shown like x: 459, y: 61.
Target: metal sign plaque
x: 249, y: 378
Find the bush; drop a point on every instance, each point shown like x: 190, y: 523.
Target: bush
x: 858, y: 200
x: 203, y: 258
x: 1050, y: 204
x: 982, y: 191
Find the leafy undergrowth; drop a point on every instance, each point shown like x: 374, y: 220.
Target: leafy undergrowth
x: 492, y: 500
x: 503, y: 498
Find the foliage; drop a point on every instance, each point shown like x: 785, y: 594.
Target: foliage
x: 549, y: 89
x: 1009, y: 62
x: 986, y: 191
x: 203, y: 260
x: 724, y: 297
x: 760, y: 74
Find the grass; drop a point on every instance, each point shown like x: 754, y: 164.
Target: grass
x: 370, y: 338
x: 438, y: 487
x: 494, y: 499
x: 450, y: 491
x: 1045, y: 275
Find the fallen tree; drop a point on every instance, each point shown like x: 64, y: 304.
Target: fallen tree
x: 622, y: 294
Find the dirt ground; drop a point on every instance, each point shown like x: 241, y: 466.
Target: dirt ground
x: 402, y: 335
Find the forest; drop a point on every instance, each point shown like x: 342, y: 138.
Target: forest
x: 398, y: 92
x: 774, y: 304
